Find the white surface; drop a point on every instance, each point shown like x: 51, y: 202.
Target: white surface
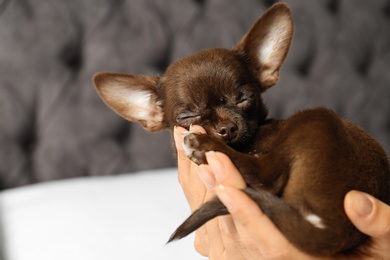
x: 118, y: 217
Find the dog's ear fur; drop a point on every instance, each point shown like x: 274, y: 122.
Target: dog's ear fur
x: 134, y: 97
x: 267, y: 43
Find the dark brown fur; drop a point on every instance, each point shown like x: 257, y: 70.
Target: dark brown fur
x: 300, y: 166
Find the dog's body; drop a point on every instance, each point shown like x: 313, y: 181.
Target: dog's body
x: 298, y: 170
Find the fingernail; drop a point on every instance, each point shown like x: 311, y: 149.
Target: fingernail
x: 225, y: 197
x: 361, y: 203
x: 205, y: 176
x: 193, y: 129
x: 217, y: 167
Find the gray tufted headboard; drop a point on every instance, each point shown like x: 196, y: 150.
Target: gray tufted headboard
x: 53, y: 125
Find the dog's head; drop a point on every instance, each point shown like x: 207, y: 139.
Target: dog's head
x: 218, y: 89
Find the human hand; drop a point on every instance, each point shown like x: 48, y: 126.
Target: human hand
x: 209, y: 240
x: 249, y: 234
x: 372, y: 217
x: 221, y: 238
x: 194, y: 190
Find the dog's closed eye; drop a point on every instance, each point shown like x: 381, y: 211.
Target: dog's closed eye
x: 187, y: 118
x: 244, y: 103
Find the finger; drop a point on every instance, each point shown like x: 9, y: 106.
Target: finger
x: 221, y: 245
x: 197, y: 129
x: 232, y: 240
x: 368, y: 214
x: 193, y: 189
x: 198, y: 192
x: 220, y: 166
x: 215, y: 245
x: 224, y: 170
x: 260, y: 234
x: 206, y: 176
x: 183, y: 164
x: 193, y: 166
x: 183, y: 161
x: 203, y: 244
x: 371, y: 216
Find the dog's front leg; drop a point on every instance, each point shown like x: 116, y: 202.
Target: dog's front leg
x: 260, y: 171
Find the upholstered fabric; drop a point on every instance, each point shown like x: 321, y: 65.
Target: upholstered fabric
x: 53, y: 125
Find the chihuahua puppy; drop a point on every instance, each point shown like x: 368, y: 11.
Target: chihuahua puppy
x: 298, y: 170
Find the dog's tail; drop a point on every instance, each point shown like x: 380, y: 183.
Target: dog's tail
x: 307, y: 233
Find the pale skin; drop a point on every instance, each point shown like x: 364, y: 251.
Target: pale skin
x: 249, y: 234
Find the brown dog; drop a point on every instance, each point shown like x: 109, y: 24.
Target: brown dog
x: 298, y: 170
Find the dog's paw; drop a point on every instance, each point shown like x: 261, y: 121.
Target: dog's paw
x: 192, y: 147
x: 196, y: 145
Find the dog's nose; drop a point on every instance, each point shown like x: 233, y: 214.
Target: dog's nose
x: 227, y: 131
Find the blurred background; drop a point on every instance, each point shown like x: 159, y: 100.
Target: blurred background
x: 53, y: 125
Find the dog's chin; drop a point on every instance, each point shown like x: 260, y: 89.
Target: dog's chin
x: 240, y: 143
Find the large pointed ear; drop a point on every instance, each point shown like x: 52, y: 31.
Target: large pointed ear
x: 133, y: 97
x: 267, y: 43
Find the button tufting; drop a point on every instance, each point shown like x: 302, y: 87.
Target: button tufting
x: 339, y: 59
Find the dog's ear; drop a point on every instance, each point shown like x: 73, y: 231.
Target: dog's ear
x: 267, y: 43
x: 134, y: 97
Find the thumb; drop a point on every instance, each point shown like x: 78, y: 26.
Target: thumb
x: 370, y: 215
